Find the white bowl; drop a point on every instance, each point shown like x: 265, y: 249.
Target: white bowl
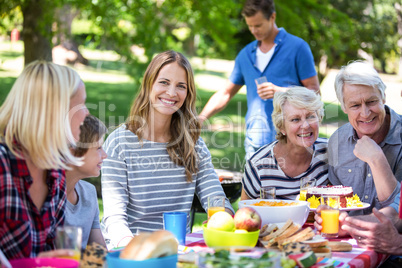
x: 280, y: 214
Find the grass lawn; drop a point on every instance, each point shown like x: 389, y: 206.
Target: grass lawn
x: 110, y: 91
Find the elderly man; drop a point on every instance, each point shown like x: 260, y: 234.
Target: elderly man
x: 366, y: 153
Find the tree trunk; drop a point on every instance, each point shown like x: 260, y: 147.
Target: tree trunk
x: 36, y: 32
x: 65, y: 16
x: 398, y: 9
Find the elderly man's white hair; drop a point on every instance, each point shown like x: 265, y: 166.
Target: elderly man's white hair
x: 358, y: 73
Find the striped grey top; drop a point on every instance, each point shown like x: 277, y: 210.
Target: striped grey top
x: 139, y: 183
x: 262, y: 169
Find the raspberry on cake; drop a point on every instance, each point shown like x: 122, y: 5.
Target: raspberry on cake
x: 338, y: 190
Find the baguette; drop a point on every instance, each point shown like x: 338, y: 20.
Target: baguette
x: 150, y: 245
x: 340, y: 246
x: 287, y: 233
x: 272, y: 228
x: 324, y: 249
x: 263, y: 231
x: 278, y: 232
x: 268, y: 229
x: 134, y: 246
x: 315, y: 243
x: 303, y: 235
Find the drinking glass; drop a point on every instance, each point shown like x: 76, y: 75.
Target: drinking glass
x: 176, y: 222
x: 268, y: 192
x: 330, y: 216
x: 69, y: 237
x: 215, y: 204
x: 261, y: 80
x: 306, y: 183
x: 400, y: 204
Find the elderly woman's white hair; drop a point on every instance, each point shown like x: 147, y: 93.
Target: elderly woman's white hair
x: 358, y: 73
x: 299, y: 97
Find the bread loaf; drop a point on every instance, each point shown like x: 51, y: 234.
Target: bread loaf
x: 144, y: 246
x: 340, y: 246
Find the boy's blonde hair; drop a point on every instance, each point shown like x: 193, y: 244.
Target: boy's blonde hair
x: 34, y: 116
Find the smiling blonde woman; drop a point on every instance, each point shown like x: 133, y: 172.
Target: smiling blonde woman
x: 157, y: 161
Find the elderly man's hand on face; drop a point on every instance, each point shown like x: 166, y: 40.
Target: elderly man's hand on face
x: 380, y: 236
x: 367, y: 149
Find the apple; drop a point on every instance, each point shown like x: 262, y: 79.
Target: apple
x: 248, y: 219
x: 221, y: 221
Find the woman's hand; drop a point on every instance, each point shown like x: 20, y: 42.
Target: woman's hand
x: 318, y: 222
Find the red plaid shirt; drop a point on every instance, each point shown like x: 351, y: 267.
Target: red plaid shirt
x: 24, y: 230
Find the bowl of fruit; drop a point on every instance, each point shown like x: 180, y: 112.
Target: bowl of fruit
x: 242, y: 230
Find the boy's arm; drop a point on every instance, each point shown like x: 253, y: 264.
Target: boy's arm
x: 96, y: 236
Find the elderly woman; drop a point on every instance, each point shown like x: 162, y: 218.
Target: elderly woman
x: 297, y: 153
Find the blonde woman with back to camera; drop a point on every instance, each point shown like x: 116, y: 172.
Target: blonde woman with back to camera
x: 297, y: 152
x: 39, y: 123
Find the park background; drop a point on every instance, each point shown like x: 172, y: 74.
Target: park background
x: 110, y: 43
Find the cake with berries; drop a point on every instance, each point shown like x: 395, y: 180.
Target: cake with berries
x: 337, y: 190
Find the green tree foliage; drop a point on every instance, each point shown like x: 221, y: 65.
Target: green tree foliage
x: 153, y: 25
x: 335, y: 29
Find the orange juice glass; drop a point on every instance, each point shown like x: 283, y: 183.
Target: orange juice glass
x: 213, y: 210
x: 69, y: 237
x: 330, y: 216
x: 76, y: 256
x: 215, y: 204
x: 303, y: 195
x: 305, y: 183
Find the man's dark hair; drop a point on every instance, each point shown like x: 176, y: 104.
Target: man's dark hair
x: 251, y: 7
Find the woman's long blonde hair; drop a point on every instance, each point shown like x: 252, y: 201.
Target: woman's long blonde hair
x: 184, y: 127
x: 33, y: 117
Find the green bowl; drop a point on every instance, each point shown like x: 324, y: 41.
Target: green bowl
x: 215, y: 238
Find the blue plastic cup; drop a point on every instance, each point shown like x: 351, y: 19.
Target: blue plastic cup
x: 176, y: 222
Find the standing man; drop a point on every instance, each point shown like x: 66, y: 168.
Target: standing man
x: 284, y: 59
x: 366, y: 153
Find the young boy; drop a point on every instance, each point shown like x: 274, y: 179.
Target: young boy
x: 82, y: 207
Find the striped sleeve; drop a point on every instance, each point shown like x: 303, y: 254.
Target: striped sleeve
x: 208, y: 183
x: 114, y: 190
